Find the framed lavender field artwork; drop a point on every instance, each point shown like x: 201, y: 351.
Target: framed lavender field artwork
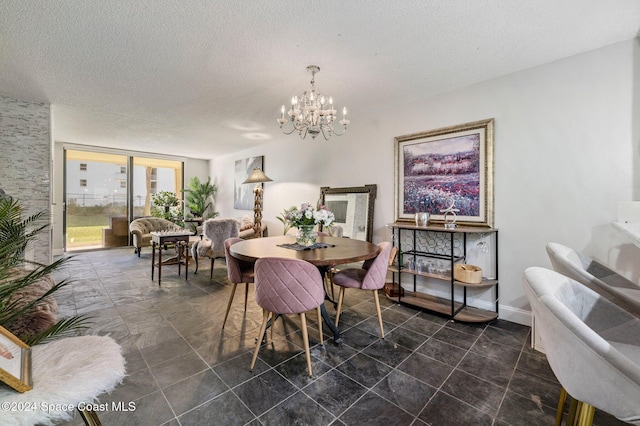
x: 451, y: 165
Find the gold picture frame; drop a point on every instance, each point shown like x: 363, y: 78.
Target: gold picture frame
x: 441, y: 167
x: 15, y: 361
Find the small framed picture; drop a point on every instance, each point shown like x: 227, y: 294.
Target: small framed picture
x: 15, y: 361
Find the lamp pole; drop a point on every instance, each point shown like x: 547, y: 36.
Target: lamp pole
x: 257, y: 176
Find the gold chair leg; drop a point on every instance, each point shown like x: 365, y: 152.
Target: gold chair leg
x: 233, y: 293
x: 320, y: 325
x: 89, y: 417
x: 305, y: 338
x: 586, y: 414
x: 263, y: 327
x: 375, y: 297
x: 572, y: 419
x: 339, y: 308
x: 561, y: 401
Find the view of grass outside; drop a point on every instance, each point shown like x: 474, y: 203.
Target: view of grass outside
x: 85, y: 230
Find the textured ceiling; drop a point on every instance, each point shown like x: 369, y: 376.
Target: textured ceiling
x: 204, y: 78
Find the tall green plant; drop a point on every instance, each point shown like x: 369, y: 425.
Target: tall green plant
x: 16, y: 272
x: 198, y: 197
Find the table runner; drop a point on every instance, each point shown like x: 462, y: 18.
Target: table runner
x: 296, y: 246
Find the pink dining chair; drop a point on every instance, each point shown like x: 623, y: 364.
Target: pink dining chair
x: 288, y: 286
x: 371, y: 276
x: 238, y: 272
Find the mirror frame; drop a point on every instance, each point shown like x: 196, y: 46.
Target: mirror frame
x: 371, y: 189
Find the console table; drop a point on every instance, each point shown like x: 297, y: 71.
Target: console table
x: 443, y: 247
x: 181, y: 240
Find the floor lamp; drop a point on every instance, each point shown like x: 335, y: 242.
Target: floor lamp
x: 257, y: 176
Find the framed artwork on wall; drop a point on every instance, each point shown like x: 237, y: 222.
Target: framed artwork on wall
x: 438, y: 168
x: 15, y: 361
x: 243, y: 194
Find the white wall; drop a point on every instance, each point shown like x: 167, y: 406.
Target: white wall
x: 566, y: 152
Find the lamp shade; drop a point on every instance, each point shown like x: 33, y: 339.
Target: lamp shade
x: 257, y: 176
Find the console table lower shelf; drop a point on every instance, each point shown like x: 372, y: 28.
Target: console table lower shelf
x: 443, y: 306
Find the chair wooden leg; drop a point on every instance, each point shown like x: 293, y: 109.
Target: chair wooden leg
x: 561, y: 402
x: 211, y: 271
x: 330, y: 277
x: 263, y: 327
x: 375, y: 297
x: 305, y: 338
x: 226, y: 314
x: 320, y: 325
x: 339, y: 308
x: 246, y: 296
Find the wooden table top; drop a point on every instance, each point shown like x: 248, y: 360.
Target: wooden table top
x: 345, y: 250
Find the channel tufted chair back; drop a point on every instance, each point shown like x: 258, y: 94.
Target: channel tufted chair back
x: 371, y: 276
x: 288, y: 286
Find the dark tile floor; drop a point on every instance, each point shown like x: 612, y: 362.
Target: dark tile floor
x: 183, y: 369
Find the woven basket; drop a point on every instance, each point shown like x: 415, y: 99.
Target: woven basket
x: 467, y: 273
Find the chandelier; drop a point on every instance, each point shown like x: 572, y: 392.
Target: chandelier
x: 312, y: 113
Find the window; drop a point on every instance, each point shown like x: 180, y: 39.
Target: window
x: 83, y: 182
x: 83, y: 167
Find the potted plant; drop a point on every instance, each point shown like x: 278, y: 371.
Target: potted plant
x: 198, y: 197
x: 21, y: 290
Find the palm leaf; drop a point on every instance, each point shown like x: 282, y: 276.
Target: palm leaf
x: 16, y: 272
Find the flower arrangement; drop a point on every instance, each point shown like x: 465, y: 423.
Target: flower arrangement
x: 306, y: 215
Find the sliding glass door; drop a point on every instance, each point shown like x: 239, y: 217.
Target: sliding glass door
x: 105, y: 191
x: 151, y: 176
x: 95, y: 200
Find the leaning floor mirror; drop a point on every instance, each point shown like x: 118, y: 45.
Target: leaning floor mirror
x: 353, y: 209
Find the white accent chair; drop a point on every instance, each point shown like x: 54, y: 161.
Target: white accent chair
x: 215, y: 232
x: 596, y: 276
x: 592, y: 345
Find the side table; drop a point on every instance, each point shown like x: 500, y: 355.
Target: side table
x: 160, y: 239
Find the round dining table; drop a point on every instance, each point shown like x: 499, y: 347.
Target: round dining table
x: 337, y: 251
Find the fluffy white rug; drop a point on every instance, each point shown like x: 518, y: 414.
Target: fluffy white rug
x: 65, y: 372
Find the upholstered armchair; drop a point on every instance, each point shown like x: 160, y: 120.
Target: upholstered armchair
x: 142, y: 228
x: 596, y: 276
x: 592, y: 346
x: 214, y: 233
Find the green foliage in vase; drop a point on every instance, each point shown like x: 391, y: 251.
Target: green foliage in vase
x: 16, y: 272
x: 167, y: 205
x: 198, y: 197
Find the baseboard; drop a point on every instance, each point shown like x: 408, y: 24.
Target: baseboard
x: 506, y: 312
